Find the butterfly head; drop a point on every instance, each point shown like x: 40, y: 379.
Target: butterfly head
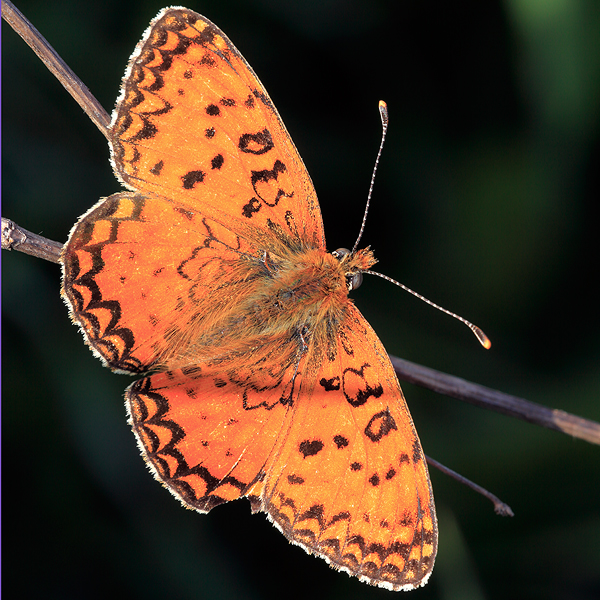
x: 354, y: 263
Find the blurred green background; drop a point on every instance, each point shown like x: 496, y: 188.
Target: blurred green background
x: 486, y: 201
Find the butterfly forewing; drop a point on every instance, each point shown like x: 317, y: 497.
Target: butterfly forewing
x: 142, y: 307
x: 195, y: 125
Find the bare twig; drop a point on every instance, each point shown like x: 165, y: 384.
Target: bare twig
x: 493, y: 400
x: 500, y: 508
x: 56, y: 66
x: 17, y: 238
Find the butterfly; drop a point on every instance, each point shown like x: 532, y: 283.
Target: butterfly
x: 210, y: 279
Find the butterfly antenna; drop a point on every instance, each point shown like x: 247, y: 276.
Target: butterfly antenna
x: 483, y: 339
x: 383, y: 112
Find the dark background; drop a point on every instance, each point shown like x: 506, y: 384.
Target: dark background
x: 486, y: 201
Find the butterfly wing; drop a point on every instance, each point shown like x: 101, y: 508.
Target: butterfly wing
x: 141, y: 275
x: 351, y: 483
x: 207, y: 431
x: 194, y: 125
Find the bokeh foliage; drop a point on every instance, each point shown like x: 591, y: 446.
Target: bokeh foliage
x: 486, y: 201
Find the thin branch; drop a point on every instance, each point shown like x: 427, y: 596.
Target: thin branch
x: 17, y: 238
x: 500, y: 508
x: 46, y: 53
x: 493, y: 400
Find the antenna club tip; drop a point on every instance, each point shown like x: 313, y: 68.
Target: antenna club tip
x: 383, y: 111
x: 484, y: 340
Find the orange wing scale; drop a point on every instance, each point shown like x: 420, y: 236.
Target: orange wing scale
x: 212, y: 274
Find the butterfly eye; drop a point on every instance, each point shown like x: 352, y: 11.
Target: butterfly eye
x: 354, y: 280
x: 340, y: 253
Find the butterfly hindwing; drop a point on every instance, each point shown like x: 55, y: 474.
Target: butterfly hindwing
x: 209, y: 431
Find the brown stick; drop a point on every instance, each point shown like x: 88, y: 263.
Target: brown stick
x: 57, y: 66
x: 17, y: 238
x: 493, y: 400
x: 500, y: 508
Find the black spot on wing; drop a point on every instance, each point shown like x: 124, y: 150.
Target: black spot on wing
x: 330, y: 385
x: 340, y: 441
x: 253, y: 206
x: 212, y: 110
x: 310, y: 447
x: 217, y: 161
x: 191, y: 178
x: 208, y: 61
x: 157, y: 168
x: 266, y: 176
x: 374, y: 480
x: 360, y: 396
x: 256, y: 143
x: 380, y: 425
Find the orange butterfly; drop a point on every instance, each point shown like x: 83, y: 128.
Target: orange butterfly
x: 212, y: 274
